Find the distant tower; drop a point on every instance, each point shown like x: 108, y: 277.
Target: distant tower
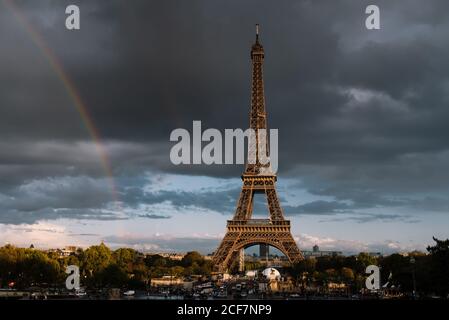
x: 243, y: 231
x: 316, y: 248
x: 264, y: 250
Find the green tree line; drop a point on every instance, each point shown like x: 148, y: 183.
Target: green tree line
x: 431, y: 270
x: 102, y: 267
x: 99, y: 267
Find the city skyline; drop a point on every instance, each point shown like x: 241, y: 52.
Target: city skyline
x: 363, y: 138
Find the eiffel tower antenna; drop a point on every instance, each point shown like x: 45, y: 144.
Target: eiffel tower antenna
x: 243, y: 231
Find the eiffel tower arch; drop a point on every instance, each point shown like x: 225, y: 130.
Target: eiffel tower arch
x: 244, y: 231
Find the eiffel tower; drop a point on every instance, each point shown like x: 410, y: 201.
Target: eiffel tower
x: 243, y: 231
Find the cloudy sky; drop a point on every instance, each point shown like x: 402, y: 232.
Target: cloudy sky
x: 362, y: 118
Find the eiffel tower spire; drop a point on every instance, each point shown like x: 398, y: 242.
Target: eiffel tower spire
x: 258, y: 114
x: 243, y: 231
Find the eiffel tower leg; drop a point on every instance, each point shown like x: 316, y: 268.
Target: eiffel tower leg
x: 242, y: 235
x: 291, y: 249
x: 244, y: 206
x: 273, y: 205
x: 225, y: 252
x: 242, y: 260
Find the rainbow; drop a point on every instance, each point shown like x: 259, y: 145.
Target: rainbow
x: 71, y: 91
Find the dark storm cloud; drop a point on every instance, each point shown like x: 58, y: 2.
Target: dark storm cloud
x: 78, y: 197
x: 319, y: 207
x: 30, y: 217
x: 362, y: 114
x: 83, y: 197
x: 349, y: 212
x: 222, y: 201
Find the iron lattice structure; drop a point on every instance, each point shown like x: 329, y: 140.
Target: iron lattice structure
x: 243, y: 231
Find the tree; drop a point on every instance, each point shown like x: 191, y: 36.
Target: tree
x: 206, y: 268
x: 95, y: 259
x: 253, y: 265
x: 10, y: 263
x: 176, y: 271
x: 71, y: 260
x: 112, y: 276
x: 39, y: 268
x: 125, y: 258
x: 439, y: 265
x: 155, y: 260
x: 192, y: 257
x: 306, y: 265
x: 363, y: 260
x: 400, y: 268
x: 347, y: 274
x: 331, y: 274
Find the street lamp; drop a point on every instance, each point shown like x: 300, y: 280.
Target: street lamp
x: 412, y: 261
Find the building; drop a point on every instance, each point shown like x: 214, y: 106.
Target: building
x: 337, y: 287
x: 166, y: 281
x: 316, y: 252
x: 65, y: 252
x: 170, y: 255
x: 264, y: 250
